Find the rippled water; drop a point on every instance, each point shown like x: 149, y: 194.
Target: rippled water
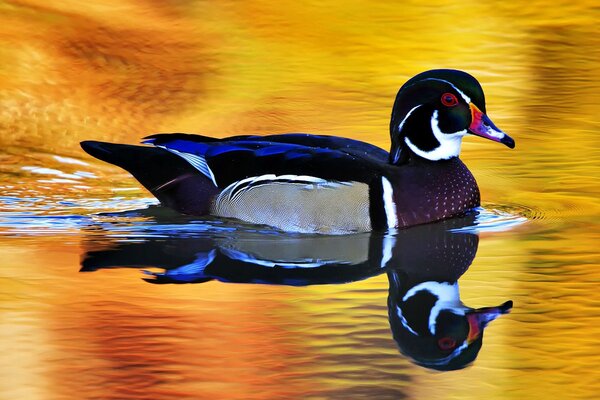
x: 320, y: 319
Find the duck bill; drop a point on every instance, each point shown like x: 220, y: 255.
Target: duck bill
x: 478, y: 319
x: 482, y: 125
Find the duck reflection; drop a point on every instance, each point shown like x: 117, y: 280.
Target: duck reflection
x: 423, y: 264
x: 429, y: 322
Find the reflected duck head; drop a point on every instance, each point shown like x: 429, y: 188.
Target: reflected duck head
x: 433, y: 327
x: 434, y: 110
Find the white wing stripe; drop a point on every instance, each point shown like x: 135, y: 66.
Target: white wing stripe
x: 234, y: 190
x: 195, y: 161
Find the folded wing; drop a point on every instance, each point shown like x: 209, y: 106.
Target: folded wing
x: 233, y: 159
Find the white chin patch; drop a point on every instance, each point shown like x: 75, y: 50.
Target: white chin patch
x: 449, y: 142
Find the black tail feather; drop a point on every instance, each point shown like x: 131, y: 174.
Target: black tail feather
x: 174, y: 182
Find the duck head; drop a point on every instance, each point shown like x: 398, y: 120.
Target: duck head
x: 434, y: 110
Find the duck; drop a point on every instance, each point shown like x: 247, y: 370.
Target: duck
x: 310, y: 183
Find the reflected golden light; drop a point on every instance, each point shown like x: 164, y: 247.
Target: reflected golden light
x: 120, y: 70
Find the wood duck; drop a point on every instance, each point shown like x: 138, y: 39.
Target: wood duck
x: 326, y: 184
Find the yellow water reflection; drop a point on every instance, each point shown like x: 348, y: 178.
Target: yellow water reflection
x: 119, y: 70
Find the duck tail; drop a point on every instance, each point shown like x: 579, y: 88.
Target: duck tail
x: 171, y: 179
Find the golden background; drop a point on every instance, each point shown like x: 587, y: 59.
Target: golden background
x: 120, y: 70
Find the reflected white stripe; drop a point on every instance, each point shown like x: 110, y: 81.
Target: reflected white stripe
x: 291, y: 264
x: 388, y: 245
x: 404, y: 322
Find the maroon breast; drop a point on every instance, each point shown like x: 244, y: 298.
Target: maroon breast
x: 427, y: 191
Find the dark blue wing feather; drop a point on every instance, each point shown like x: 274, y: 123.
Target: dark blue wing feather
x: 235, y: 158
x: 350, y: 146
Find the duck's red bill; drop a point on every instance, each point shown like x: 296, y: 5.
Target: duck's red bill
x: 482, y: 125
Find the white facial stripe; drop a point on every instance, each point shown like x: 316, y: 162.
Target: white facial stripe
x: 388, y: 204
x: 462, y: 94
x: 401, y: 124
x: 448, y: 298
x: 449, y: 142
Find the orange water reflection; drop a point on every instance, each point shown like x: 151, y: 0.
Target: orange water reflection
x: 120, y: 70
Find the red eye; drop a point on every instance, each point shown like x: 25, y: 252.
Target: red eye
x: 446, y: 343
x: 449, y: 100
